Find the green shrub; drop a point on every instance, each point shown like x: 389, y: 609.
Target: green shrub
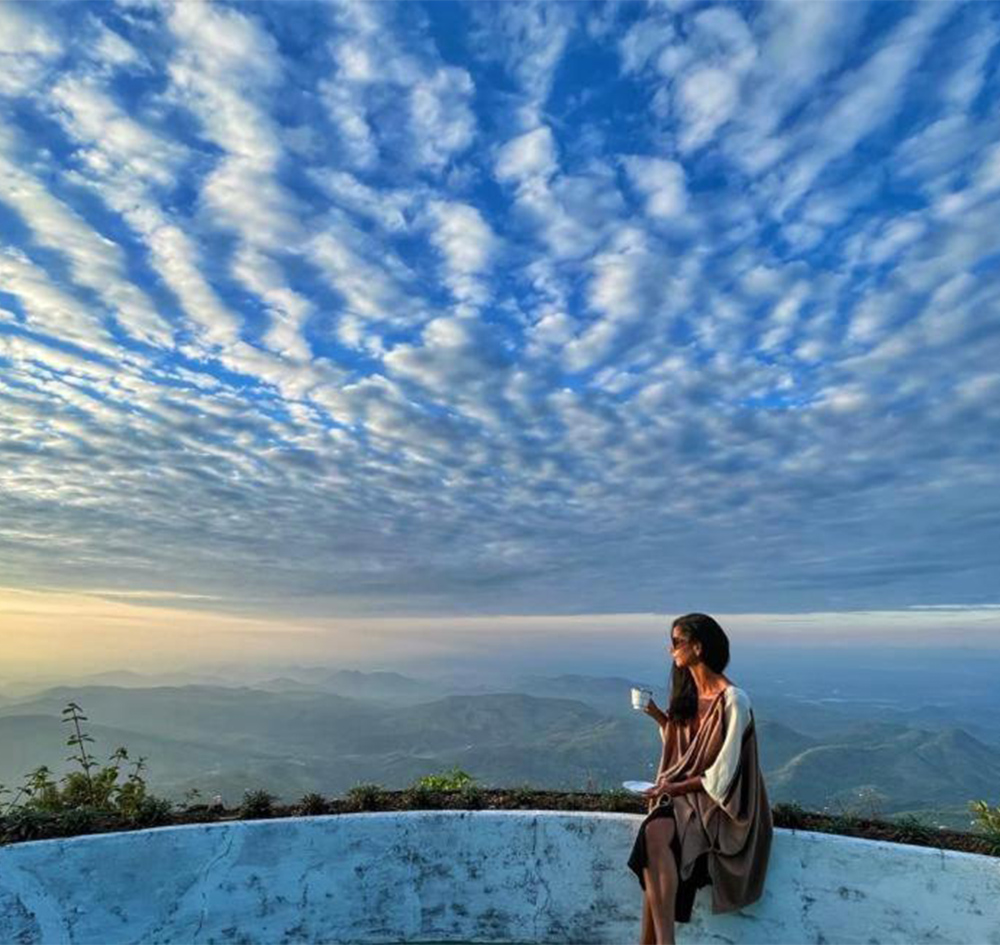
x: 419, y: 796
x: 912, y: 828
x: 453, y: 780
x: 988, y: 821
x: 365, y: 796
x: 24, y: 823
x: 522, y: 795
x: 425, y: 793
x: 791, y: 814
x: 152, y: 812
x: 614, y: 799
x: 77, y: 820
x: 257, y: 804
x: 472, y: 796
x: 869, y: 802
x: 314, y: 804
x: 842, y: 820
x: 92, y: 789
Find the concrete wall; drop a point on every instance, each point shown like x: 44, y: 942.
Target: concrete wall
x: 484, y: 876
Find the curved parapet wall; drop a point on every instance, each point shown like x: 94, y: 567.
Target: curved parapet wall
x: 465, y: 876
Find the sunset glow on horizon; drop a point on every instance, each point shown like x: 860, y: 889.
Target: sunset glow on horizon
x: 72, y: 633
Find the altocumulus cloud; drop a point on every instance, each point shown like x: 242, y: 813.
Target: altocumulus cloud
x: 502, y: 308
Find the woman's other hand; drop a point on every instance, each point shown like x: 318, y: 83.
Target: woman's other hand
x: 661, y: 787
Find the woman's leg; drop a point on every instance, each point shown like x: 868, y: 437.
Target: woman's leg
x: 660, y: 877
x: 647, y: 935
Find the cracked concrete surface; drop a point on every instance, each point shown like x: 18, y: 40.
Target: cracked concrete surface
x: 463, y: 876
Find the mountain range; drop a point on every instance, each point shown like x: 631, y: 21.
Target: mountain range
x: 290, y: 736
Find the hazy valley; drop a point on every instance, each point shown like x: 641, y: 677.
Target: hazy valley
x: 328, y: 730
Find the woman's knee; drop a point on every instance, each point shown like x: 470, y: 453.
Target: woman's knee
x: 660, y: 833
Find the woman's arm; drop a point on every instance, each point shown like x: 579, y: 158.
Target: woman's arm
x: 673, y: 788
x: 653, y: 710
x: 684, y: 787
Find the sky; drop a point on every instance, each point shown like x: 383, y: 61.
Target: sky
x: 61, y: 636
x: 388, y: 311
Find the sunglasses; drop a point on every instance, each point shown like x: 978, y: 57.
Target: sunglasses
x: 677, y: 642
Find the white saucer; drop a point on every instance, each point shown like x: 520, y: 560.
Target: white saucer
x: 637, y: 787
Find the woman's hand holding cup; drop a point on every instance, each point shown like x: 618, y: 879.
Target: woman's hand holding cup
x: 642, y: 701
x: 641, y: 698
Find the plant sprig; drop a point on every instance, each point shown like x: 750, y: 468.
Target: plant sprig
x: 93, y: 789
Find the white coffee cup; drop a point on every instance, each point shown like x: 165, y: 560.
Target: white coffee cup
x: 641, y: 697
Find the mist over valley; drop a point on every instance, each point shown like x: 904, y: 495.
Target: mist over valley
x: 909, y: 736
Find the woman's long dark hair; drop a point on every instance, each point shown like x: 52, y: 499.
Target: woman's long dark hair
x: 715, y: 653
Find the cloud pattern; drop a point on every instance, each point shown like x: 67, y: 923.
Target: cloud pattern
x: 509, y: 308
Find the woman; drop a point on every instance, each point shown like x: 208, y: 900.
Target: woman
x: 709, y: 820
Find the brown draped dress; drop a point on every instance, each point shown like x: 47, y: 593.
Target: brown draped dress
x: 725, y: 840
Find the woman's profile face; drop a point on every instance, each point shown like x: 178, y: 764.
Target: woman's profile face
x: 682, y: 647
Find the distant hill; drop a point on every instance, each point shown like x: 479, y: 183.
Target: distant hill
x: 127, y: 679
x: 286, y: 684
x: 980, y: 721
x: 610, y: 694
x: 228, y: 717
x: 386, y: 688
x: 33, y: 740
x: 492, y: 719
x: 779, y: 744
x: 393, y: 688
x: 20, y: 689
x: 291, y: 741
x: 910, y: 769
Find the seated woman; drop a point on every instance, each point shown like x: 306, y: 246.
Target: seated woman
x: 709, y: 820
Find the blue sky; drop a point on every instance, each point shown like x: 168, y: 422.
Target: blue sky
x: 501, y: 308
